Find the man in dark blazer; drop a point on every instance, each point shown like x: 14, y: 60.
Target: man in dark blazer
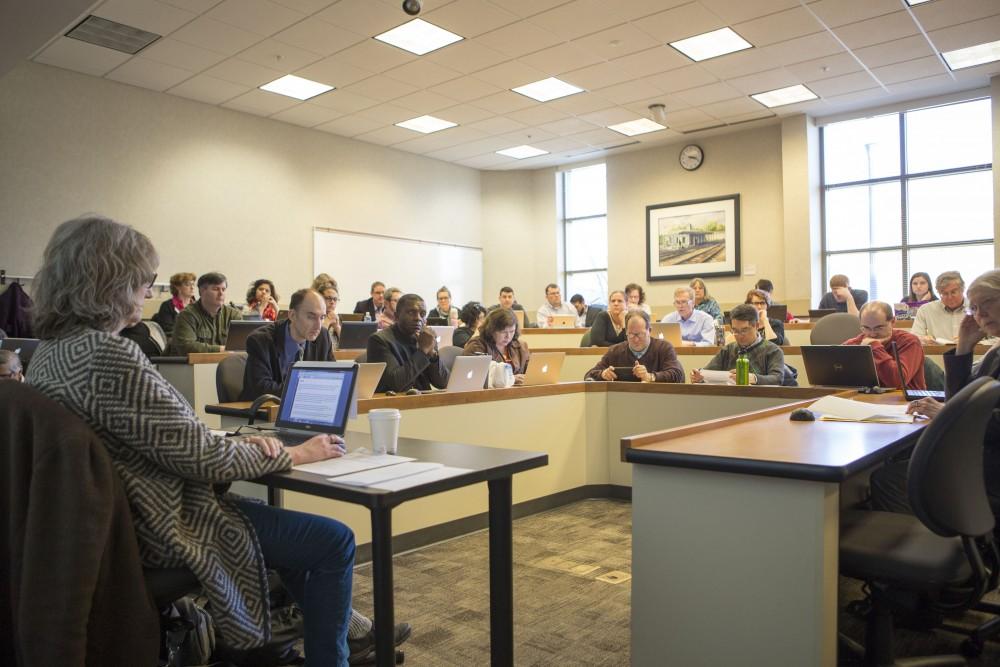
x: 375, y: 304
x: 272, y: 349
x: 585, y: 315
x: 408, y: 349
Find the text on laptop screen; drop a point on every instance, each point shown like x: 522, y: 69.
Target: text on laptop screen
x: 317, y: 397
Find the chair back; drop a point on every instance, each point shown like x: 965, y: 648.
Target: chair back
x: 361, y: 358
x: 229, y: 377
x: 585, y: 339
x: 945, y: 487
x: 157, y: 334
x: 448, y: 354
x: 933, y: 375
x: 834, y: 329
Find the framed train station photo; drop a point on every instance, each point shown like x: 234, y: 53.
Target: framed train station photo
x: 695, y: 238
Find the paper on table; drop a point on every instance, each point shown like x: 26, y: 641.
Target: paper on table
x: 420, y: 478
x: 387, y: 473
x: 832, y: 408
x: 715, y: 377
x: 352, y: 462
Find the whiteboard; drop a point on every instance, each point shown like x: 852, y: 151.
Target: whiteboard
x: 356, y: 260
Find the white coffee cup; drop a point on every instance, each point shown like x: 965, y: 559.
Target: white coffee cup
x: 384, y: 424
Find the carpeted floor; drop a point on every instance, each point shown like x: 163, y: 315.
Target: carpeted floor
x: 569, y: 610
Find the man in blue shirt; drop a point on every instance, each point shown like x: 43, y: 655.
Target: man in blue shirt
x: 697, y: 327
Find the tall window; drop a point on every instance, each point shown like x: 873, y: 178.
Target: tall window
x: 908, y: 192
x: 585, y: 233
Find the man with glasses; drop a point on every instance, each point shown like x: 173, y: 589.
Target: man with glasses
x: 10, y: 366
x: 650, y: 359
x: 204, y: 325
x: 767, y: 361
x: 697, y: 327
x: 877, y: 318
x: 554, y: 306
x: 937, y: 322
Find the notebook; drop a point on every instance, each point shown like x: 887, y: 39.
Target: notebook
x: 316, y: 399
x: 840, y: 365
x: 22, y: 347
x: 443, y: 335
x: 239, y: 331
x: 469, y: 373
x: 355, y: 335
x: 668, y: 331
x: 544, y: 368
x: 563, y: 321
x: 368, y: 376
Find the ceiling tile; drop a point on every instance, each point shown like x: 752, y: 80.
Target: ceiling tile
x: 671, y: 102
x: 967, y: 34
x: 630, y: 91
x: 277, y: 55
x: 461, y: 151
x: 728, y: 108
x: 466, y: 56
x: 240, y: 71
x: 936, y: 15
x: 824, y: 68
x: 651, y: 61
x: 374, y: 55
x: 615, y: 42
x: 155, y: 17
x: 443, y: 139
x: 469, y: 18
x: 779, y: 27
x: 580, y: 103
x: 877, y: 30
x: 836, y: 13
x: 504, y: 102
x: 306, y: 115
x: 687, y: 117
x: 497, y: 125
x: 526, y: 8
x: 714, y: 92
x: 348, y: 126
x: 634, y: 9
x: 561, y: 58
x: 425, y: 102
x: 908, y: 48
x: 921, y: 86
x: 568, y: 126
x: 423, y: 73
x: 737, y: 12
x: 215, y: 36
x: 764, y: 81
x: 609, y: 116
x: 261, y: 103
x: 578, y: 18
x: 319, y: 37
x: 186, y: 56
x: 386, y: 114
x: 482, y: 161
x: 208, y: 89
x: 525, y: 136
x: 518, y: 39
x: 305, y: 6
x: 196, y: 6
x: 510, y: 74
x: 742, y: 63
x: 794, y: 50
x: 381, y: 88
x: 465, y: 89
x: 364, y: 17
x: 839, y: 85
x: 257, y: 16
x: 681, y: 22
x: 683, y: 78
x: 333, y: 72
x: 911, y: 69
x: 597, y: 76
x: 559, y: 144
x: 139, y: 71
x: 600, y: 136
x: 464, y: 114
x: 537, y: 115
x: 343, y: 101
x: 81, y: 56
x: 758, y: 114
x: 386, y: 136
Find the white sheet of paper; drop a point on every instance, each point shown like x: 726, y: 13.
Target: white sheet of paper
x: 387, y: 473
x: 715, y: 377
x: 352, y: 462
x: 420, y: 478
x: 842, y: 408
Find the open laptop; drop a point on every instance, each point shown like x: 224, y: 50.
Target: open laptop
x: 913, y: 394
x: 469, y: 373
x: 22, y: 347
x: 437, y: 321
x: 355, y: 335
x: 778, y: 312
x: 840, y: 365
x: 239, y: 331
x: 443, y: 334
x: 544, y: 368
x: 368, y: 376
x: 351, y: 317
x: 816, y: 313
x: 316, y: 398
x: 563, y: 321
x: 668, y: 331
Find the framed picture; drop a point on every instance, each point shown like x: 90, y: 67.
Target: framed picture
x: 696, y: 238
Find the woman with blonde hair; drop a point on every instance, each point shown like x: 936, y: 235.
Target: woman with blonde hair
x: 609, y: 327
x: 703, y: 302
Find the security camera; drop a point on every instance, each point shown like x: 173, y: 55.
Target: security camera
x: 411, y: 7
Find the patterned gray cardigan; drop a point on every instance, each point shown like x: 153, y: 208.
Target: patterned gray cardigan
x: 168, y: 462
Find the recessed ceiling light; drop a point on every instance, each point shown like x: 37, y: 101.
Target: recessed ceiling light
x: 419, y: 37
x: 916, y: 2
x: 971, y: 56
x: 547, y: 89
x: 638, y: 126
x: 787, y: 95
x: 296, y: 86
x: 521, y: 152
x: 711, y: 44
x: 426, y: 124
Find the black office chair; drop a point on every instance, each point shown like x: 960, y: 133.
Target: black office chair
x: 229, y: 377
x: 834, y: 329
x: 942, y: 547
x: 933, y: 375
x: 585, y: 339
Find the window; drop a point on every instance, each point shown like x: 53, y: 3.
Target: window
x: 908, y: 192
x: 585, y: 233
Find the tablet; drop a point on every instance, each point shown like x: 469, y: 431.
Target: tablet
x: 625, y: 374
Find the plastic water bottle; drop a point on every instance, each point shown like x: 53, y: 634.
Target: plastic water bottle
x: 368, y: 317
x: 742, y: 370
x: 720, y: 336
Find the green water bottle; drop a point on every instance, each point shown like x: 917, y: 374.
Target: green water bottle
x: 742, y: 370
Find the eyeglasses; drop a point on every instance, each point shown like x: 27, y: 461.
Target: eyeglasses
x: 681, y: 303
x: 758, y: 303
x: 331, y: 299
x: 637, y: 334
x: 743, y: 331
x: 152, y: 283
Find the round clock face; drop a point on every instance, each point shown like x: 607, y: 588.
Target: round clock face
x: 691, y: 157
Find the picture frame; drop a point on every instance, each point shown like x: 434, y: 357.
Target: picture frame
x: 697, y: 238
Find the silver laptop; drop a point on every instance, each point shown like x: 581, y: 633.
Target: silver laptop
x: 563, y: 321
x: 443, y: 334
x: 544, y: 368
x: 368, y: 376
x: 316, y: 399
x: 469, y: 373
x: 668, y: 331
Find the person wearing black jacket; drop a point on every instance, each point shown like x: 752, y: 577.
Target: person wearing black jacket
x: 375, y: 304
x: 272, y: 349
x: 408, y: 349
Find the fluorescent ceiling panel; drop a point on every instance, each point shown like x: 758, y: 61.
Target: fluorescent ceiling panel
x: 426, y: 124
x: 916, y: 2
x: 521, y: 152
x: 638, y: 126
x: 783, y: 96
x: 971, y: 56
x: 711, y: 44
x: 297, y: 87
x: 547, y: 89
x: 419, y: 37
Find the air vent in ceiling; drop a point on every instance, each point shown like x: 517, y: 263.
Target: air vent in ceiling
x: 112, y: 35
x: 603, y: 150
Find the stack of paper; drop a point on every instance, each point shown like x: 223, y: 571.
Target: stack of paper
x: 352, y: 462
x: 404, y: 475
x: 716, y: 377
x: 831, y: 408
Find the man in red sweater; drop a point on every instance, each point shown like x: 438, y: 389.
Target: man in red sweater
x: 877, y: 318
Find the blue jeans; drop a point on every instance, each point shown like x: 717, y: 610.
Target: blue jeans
x: 315, y: 557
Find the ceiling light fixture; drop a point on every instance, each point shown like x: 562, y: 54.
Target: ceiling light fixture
x: 426, y: 124
x: 638, y: 126
x: 971, y: 56
x: 523, y: 151
x: 711, y: 44
x: 297, y: 87
x: 547, y: 89
x: 418, y: 37
x: 782, y: 96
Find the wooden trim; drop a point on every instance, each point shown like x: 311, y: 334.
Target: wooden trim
x: 195, y: 358
x: 532, y: 331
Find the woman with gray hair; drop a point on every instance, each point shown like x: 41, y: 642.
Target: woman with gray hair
x: 95, y: 275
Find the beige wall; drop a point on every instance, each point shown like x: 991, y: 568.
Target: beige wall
x: 213, y: 188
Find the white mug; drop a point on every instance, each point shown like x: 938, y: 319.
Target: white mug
x: 384, y: 423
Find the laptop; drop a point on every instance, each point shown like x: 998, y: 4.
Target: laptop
x: 777, y: 312
x: 563, y: 321
x: 544, y: 368
x: 355, y: 335
x: 352, y: 317
x: 437, y: 321
x: 316, y: 398
x: 668, y: 331
x: 443, y: 334
x: 817, y: 313
x: 914, y: 394
x: 840, y: 365
x: 469, y: 373
x: 239, y: 331
x: 368, y: 376
x: 22, y: 347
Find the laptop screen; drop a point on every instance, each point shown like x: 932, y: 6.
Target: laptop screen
x: 317, y: 397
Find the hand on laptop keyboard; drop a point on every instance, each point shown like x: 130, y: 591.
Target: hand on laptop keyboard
x: 317, y: 448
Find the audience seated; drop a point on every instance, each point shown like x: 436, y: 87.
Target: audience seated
x: 388, y: 315
x: 204, y: 325
x: 507, y: 301
x: 272, y: 349
x: 472, y: 316
x: 703, y: 302
x: 181, y: 296
x: 609, y: 327
x: 374, y: 304
x: 767, y: 361
x: 877, y: 318
x: 651, y: 359
x: 262, y: 301
x: 331, y: 296
x: 837, y: 297
x: 767, y: 286
x: 408, y: 349
x: 444, y: 308
x: 697, y: 327
x: 939, y: 321
x: 553, y: 305
x: 770, y: 328
x: 499, y: 339
x: 10, y: 366
x: 921, y: 291
x: 585, y: 315
x: 635, y: 297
